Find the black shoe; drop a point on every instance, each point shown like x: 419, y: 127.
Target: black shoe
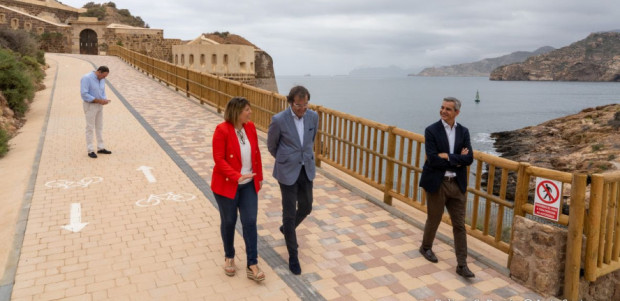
x: 294, y: 266
x: 428, y: 254
x: 104, y: 151
x: 464, y: 271
x: 92, y: 155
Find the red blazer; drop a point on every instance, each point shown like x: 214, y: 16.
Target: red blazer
x: 227, y: 157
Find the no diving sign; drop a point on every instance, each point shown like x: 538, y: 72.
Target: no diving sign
x: 548, y: 198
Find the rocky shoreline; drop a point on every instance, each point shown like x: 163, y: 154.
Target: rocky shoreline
x: 586, y: 142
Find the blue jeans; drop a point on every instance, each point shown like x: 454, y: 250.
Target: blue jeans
x: 246, y: 201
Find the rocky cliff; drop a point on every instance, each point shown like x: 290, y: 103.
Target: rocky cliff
x: 587, y: 142
x: 595, y: 58
x: 485, y: 66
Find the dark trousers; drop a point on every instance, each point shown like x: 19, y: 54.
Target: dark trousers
x: 246, y: 201
x: 449, y: 196
x: 296, y: 205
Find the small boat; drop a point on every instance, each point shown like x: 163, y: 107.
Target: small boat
x: 477, y: 100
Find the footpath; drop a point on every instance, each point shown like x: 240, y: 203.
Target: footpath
x: 142, y: 223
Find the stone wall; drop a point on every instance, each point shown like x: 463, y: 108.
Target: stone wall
x: 55, y: 37
x: 539, y: 256
x: 218, y: 59
x: 59, y: 15
x: 149, y: 42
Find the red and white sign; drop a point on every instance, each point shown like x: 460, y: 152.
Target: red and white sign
x: 548, y: 198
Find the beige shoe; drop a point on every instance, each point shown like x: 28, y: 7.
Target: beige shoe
x: 258, y: 276
x: 229, y: 267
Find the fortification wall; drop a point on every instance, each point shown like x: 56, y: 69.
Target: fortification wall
x: 150, y: 42
x: 54, y: 37
x: 59, y: 14
x: 217, y: 59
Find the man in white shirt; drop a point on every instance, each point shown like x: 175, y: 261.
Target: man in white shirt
x: 444, y: 178
x: 92, y: 89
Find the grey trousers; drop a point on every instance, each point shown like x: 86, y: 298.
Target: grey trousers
x: 94, y: 122
x: 449, y: 196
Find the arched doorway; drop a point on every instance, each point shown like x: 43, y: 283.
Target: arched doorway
x: 88, y: 42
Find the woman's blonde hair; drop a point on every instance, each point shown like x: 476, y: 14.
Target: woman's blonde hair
x: 234, y: 107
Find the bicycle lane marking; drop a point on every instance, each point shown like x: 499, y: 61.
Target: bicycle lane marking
x: 117, y: 230
x: 155, y: 199
x: 67, y: 184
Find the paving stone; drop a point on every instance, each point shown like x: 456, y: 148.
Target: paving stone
x: 349, y: 247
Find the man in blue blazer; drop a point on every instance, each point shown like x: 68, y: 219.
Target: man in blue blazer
x: 444, y: 178
x: 290, y: 141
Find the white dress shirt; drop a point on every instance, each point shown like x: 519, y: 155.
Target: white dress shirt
x: 246, y: 154
x: 451, y: 133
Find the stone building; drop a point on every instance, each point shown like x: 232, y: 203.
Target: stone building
x: 238, y: 60
x: 62, y: 30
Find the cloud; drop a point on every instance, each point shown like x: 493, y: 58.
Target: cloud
x: 334, y: 37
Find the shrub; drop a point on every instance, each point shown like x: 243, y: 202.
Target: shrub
x: 19, y: 41
x: 15, y: 82
x: 597, y: 147
x: 95, y: 11
x: 4, y: 142
x: 33, y: 68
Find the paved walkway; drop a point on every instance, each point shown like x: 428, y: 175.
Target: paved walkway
x: 350, y: 249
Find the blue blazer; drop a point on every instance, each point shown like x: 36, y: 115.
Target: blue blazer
x: 436, y: 141
x: 284, y: 145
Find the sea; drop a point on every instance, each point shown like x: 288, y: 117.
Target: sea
x: 413, y: 102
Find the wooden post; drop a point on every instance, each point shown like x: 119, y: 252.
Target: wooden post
x: 219, y: 96
x: 594, y: 226
x: 318, y: 142
x: 187, y: 82
x: 389, y: 168
x: 575, y: 240
x: 521, y: 194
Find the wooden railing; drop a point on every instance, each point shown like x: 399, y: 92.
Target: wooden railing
x: 390, y: 159
x: 603, y: 227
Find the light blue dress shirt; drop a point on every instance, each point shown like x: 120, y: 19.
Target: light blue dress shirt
x: 91, y: 87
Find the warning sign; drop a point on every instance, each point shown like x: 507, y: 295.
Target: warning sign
x: 548, y: 198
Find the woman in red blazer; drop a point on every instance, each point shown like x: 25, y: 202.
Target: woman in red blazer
x: 237, y: 178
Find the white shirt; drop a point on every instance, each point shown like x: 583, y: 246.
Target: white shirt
x: 246, y: 154
x: 299, y: 124
x: 451, y: 133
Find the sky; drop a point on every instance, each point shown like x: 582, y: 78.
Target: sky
x: 333, y: 37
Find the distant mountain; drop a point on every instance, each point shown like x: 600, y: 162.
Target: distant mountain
x: 380, y: 71
x: 595, y: 58
x: 485, y: 66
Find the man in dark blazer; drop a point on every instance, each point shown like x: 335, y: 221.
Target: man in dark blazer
x: 290, y: 141
x: 444, y: 178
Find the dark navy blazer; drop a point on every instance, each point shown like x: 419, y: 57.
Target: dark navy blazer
x: 436, y: 141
